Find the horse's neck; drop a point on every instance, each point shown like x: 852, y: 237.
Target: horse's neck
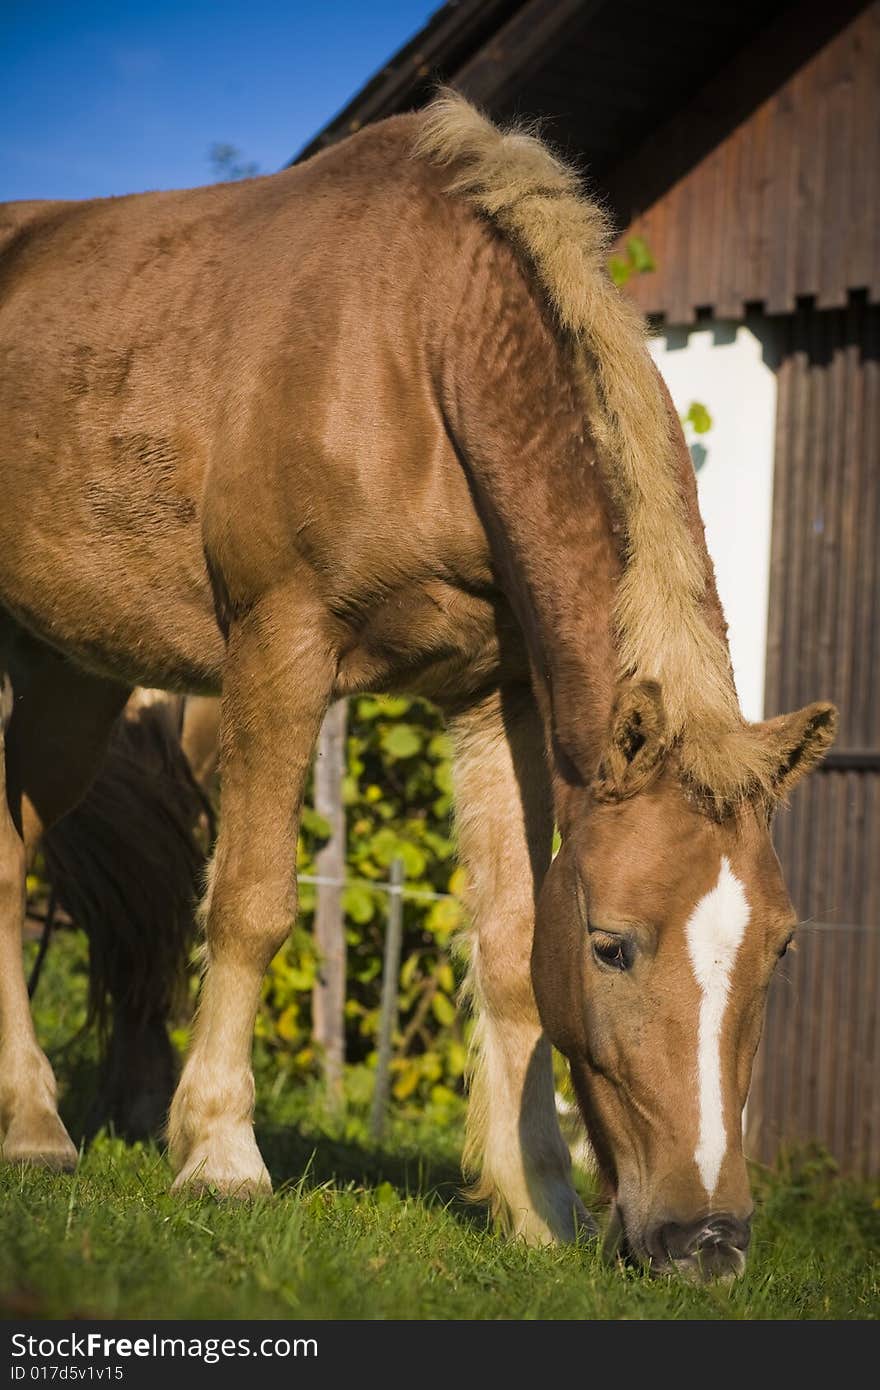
x: 519, y: 405
x: 554, y: 544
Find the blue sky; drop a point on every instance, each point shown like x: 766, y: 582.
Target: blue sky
x: 115, y: 96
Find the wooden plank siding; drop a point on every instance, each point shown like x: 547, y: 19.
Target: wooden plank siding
x: 817, y: 1067
x: 784, y: 206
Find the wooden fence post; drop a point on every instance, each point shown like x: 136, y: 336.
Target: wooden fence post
x: 328, y: 994
x: 388, y: 1011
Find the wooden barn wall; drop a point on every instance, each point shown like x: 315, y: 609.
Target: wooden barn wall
x: 784, y: 206
x: 817, y: 1068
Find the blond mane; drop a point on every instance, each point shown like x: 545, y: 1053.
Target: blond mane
x: 660, y: 617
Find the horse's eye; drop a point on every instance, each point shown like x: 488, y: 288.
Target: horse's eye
x: 785, y: 945
x: 612, y: 950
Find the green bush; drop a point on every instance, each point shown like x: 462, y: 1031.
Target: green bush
x: 398, y: 800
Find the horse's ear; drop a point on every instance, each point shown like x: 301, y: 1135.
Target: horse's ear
x: 799, y: 741
x: 636, y: 743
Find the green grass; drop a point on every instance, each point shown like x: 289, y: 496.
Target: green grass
x: 358, y: 1233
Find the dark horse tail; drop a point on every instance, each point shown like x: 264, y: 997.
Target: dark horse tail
x: 127, y: 865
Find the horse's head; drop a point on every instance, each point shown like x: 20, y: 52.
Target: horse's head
x: 659, y: 927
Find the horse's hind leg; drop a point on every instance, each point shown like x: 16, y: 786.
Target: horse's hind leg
x: 60, y: 723
x: 277, y: 682
x: 29, y: 1122
x: 505, y: 826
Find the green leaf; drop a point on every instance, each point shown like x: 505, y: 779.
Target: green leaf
x: 698, y: 417
x: 444, y: 1010
x: 441, y: 1095
x: 443, y: 777
x: 306, y: 897
x: 358, y: 902
x: 414, y: 861
x: 385, y: 845
x: 402, y: 741
x: 315, y: 824
x: 286, y: 1027
x: 431, y: 1066
x: 393, y: 706
x: 303, y: 978
x: 406, y: 1082
x: 445, y: 917
x: 640, y: 255
x: 408, y: 970
x: 620, y: 270
x: 440, y: 746
x: 444, y: 977
x: 456, y: 1058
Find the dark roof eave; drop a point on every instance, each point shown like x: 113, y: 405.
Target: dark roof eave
x: 450, y: 38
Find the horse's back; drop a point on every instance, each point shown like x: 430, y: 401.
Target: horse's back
x: 16, y: 218
x: 117, y: 313
x: 157, y: 347
x: 109, y: 397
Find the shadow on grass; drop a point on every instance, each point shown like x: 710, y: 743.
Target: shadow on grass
x: 301, y: 1143
x: 297, y: 1150
x: 294, y: 1155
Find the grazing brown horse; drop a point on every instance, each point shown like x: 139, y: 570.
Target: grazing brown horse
x: 382, y: 421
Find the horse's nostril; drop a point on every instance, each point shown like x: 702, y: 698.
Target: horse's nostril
x: 724, y: 1230
x: 678, y: 1240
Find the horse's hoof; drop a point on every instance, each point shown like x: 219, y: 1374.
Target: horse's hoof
x: 44, y: 1145
x: 53, y: 1162
x: 208, y: 1172
x: 197, y: 1184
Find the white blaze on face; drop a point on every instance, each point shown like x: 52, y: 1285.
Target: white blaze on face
x: 714, y: 932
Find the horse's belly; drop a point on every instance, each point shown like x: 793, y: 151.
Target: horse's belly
x: 436, y: 639
x: 140, y: 624
x: 100, y: 538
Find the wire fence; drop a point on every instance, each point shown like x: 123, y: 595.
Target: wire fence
x: 397, y: 891
x: 388, y: 886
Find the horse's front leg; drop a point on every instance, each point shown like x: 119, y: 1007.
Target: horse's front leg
x: 514, y: 1147
x: 277, y: 683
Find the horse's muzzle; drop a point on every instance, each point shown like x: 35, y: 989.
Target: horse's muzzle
x: 714, y: 1247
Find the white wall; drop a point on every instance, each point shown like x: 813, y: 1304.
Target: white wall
x: 721, y: 366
